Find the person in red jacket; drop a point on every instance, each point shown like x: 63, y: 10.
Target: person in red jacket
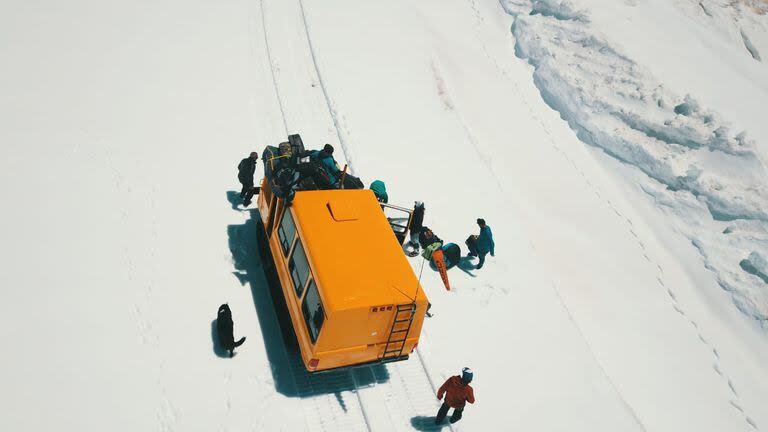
x: 457, y: 393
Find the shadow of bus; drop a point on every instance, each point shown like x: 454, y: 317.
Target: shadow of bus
x: 254, y: 266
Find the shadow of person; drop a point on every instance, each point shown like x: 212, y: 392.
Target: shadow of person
x: 217, y: 348
x: 448, y: 264
x: 234, y: 199
x: 466, y: 264
x: 425, y: 423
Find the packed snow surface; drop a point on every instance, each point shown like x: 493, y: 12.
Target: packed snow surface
x: 616, y: 148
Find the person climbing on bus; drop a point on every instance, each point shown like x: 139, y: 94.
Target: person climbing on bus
x: 245, y: 171
x: 429, y: 242
x: 485, y: 244
x: 283, y: 168
x: 326, y: 171
x: 417, y: 220
x: 380, y: 190
x: 457, y: 393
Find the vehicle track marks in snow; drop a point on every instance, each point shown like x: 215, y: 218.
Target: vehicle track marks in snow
x: 599, y: 364
x: 273, y: 69
x: 445, y: 98
x: 329, y: 102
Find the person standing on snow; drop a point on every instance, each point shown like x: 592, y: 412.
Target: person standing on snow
x: 417, y: 221
x: 429, y: 242
x: 485, y: 243
x: 245, y: 171
x: 457, y: 393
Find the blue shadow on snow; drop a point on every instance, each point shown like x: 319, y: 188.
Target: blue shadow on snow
x: 424, y: 423
x: 254, y: 266
x: 234, y: 199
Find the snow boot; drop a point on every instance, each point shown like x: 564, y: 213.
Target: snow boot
x: 411, y: 249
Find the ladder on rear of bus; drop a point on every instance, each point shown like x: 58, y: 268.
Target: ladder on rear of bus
x: 398, y: 334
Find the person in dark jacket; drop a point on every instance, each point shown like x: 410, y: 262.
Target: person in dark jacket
x: 457, y: 393
x: 485, y: 243
x: 451, y: 254
x: 417, y: 221
x: 245, y: 171
x: 471, y: 243
x: 429, y: 242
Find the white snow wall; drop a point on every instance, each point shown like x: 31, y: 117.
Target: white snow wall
x: 695, y: 167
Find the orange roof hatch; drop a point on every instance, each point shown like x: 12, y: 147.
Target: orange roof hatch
x: 342, y: 210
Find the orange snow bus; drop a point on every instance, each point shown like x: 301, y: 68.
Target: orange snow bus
x: 352, y: 296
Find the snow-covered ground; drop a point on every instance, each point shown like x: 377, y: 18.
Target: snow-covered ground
x: 710, y: 177
x: 617, y: 149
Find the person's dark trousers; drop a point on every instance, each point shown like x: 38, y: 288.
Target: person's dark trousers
x: 442, y: 412
x: 456, y: 416
x: 481, y: 256
x: 248, y: 190
x: 247, y: 185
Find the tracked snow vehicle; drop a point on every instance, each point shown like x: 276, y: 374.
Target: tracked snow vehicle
x: 352, y: 296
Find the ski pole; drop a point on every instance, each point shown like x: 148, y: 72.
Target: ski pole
x: 343, y: 176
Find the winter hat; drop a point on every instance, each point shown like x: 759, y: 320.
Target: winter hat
x: 254, y: 155
x: 328, y: 148
x: 466, y: 375
x: 480, y: 221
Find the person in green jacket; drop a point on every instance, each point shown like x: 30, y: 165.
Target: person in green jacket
x: 380, y: 190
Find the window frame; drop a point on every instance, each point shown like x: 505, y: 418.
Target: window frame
x: 321, y: 309
x: 299, y: 289
x: 281, y: 234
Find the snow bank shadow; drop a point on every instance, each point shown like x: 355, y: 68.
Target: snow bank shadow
x: 756, y: 265
x: 254, y: 266
x: 424, y: 423
x: 217, y: 348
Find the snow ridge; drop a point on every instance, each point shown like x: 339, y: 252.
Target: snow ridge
x: 741, y: 21
x: 694, y: 165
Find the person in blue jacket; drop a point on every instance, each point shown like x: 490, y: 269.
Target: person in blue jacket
x: 327, y: 163
x: 485, y: 243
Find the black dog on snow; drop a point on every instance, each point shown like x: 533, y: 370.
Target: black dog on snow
x: 224, y: 326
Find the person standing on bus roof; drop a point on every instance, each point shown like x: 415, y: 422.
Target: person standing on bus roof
x: 245, y: 171
x: 457, y: 393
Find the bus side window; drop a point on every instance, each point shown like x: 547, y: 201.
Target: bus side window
x: 286, y: 232
x: 299, y: 268
x: 313, y: 311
